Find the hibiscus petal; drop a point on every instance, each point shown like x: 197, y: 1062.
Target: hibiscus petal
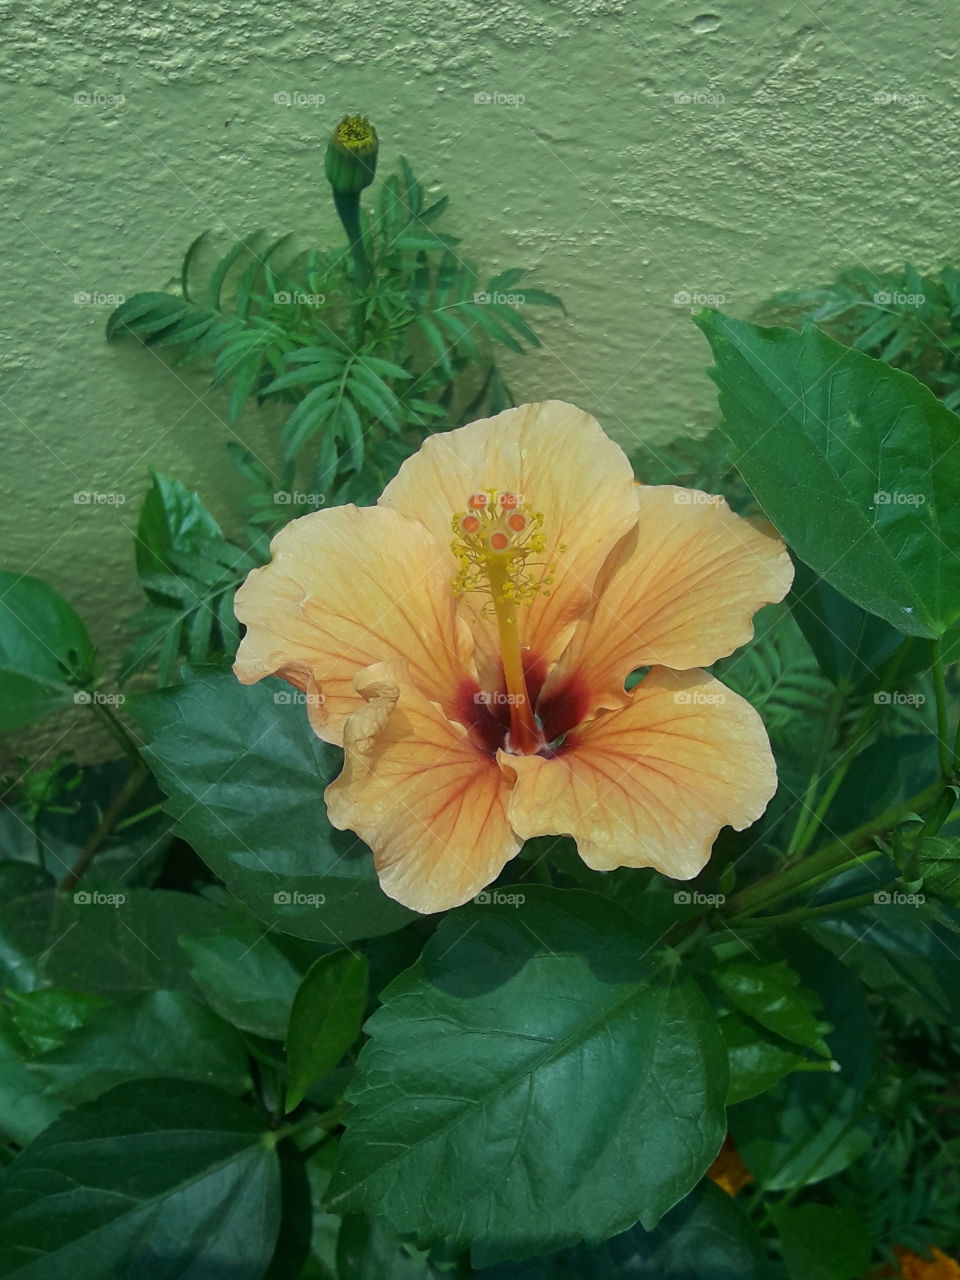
x: 554, y: 457
x: 680, y: 591
x: 430, y: 804
x: 345, y: 588
x: 651, y: 784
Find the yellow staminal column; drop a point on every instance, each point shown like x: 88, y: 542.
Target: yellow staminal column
x: 496, y: 538
x: 524, y: 736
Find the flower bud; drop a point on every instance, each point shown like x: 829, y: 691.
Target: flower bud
x: 351, y: 159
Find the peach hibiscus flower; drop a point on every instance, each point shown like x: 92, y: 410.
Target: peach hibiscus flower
x: 467, y: 640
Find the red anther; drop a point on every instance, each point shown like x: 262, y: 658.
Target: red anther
x: 508, y: 501
x: 470, y: 524
x: 517, y: 522
x: 478, y: 501
x: 499, y: 541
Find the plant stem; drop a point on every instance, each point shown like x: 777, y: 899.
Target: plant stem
x: 824, y: 909
x: 107, y: 823
x: 788, y: 881
x: 347, y: 205
x: 115, y: 726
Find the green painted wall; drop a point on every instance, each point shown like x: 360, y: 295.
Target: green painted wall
x: 659, y: 149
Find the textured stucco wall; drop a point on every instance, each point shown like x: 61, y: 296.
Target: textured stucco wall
x: 782, y: 168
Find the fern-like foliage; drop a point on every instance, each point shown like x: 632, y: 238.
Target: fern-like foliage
x: 353, y: 368
x: 189, y: 572
x: 908, y: 319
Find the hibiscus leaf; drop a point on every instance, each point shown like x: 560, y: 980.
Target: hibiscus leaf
x: 773, y: 996
x: 818, y: 427
x: 325, y: 1019
x: 822, y: 1242
x: 851, y: 646
x: 542, y: 1075
x: 244, y: 774
x: 814, y: 1123
x: 248, y: 974
x: 757, y: 1060
x: 45, y: 652
x: 163, y: 1178
x: 708, y: 1235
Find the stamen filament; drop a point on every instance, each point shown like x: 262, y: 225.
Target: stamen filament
x: 524, y: 737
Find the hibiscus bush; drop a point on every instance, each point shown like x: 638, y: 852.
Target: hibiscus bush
x: 442, y: 914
